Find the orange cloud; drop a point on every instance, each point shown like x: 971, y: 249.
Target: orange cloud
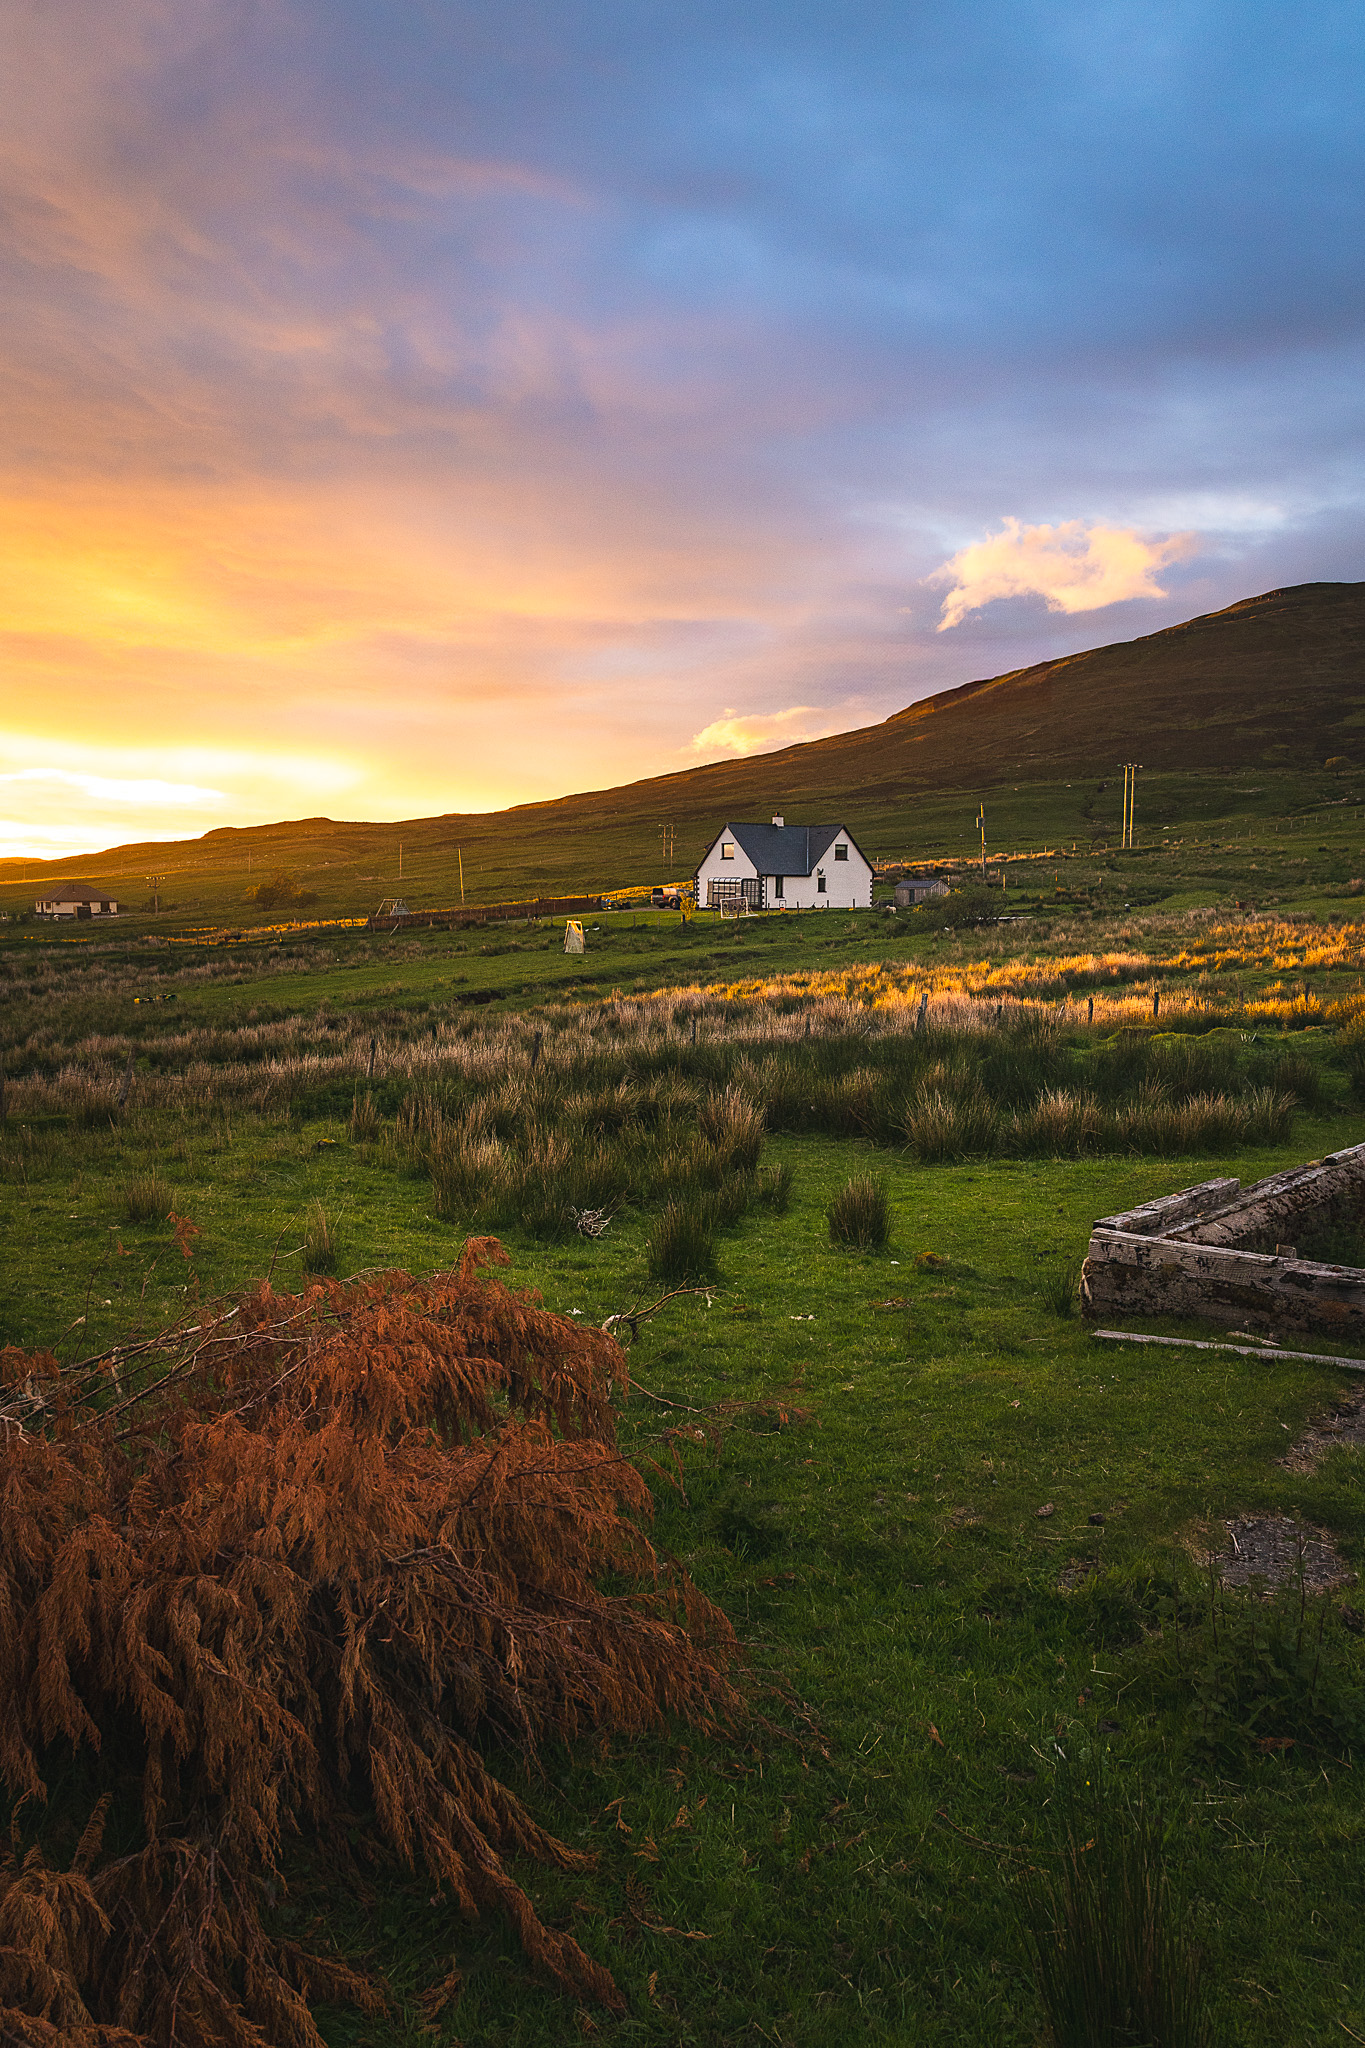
x: 760, y: 732
x: 1077, y: 568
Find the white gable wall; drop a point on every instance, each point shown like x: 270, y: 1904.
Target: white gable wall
x: 848, y: 883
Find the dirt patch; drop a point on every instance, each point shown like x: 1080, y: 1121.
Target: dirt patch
x: 1270, y: 1550
x: 1344, y: 1424
x: 1076, y: 1574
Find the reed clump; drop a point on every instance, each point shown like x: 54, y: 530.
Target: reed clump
x: 320, y: 1246
x: 860, y: 1215
x: 147, y: 1198
x: 682, y: 1244
x: 305, y: 1588
x: 1107, y: 1925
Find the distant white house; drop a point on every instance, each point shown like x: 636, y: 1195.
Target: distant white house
x: 784, y: 867
x: 76, y: 899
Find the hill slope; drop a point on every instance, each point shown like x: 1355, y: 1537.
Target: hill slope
x: 1275, y: 678
x: 1275, y: 683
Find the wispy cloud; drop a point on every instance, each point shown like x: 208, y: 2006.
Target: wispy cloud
x: 111, y: 789
x: 759, y: 732
x: 1077, y: 568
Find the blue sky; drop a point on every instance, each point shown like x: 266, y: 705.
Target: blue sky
x: 427, y: 407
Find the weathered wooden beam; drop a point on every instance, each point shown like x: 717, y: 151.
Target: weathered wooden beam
x: 1154, y: 1276
x: 1242, y: 1350
x: 1169, y: 1212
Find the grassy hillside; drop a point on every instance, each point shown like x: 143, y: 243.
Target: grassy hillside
x: 954, y: 1533
x: 1243, y: 720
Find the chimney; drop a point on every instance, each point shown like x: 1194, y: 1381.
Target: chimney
x: 779, y: 821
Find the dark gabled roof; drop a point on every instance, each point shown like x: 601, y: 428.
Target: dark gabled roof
x: 787, y: 849
x: 75, y: 892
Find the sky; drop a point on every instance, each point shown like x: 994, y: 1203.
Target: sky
x: 411, y: 406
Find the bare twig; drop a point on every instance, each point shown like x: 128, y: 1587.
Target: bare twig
x: 633, y: 1317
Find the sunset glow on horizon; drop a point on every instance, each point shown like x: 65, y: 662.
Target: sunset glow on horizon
x: 412, y: 411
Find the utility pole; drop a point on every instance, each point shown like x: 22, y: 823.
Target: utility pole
x: 400, y: 860
x: 459, y: 855
x: 668, y: 836
x: 1130, y: 769
x: 981, y: 823
x: 154, y: 882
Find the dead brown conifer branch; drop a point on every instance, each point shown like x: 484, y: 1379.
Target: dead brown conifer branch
x: 347, y: 1533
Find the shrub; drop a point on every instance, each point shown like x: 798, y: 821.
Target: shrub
x: 319, y: 1241
x: 147, y: 1198
x: 281, y: 892
x: 969, y: 905
x: 860, y: 1214
x: 1114, y: 1963
x: 681, y: 1246
x: 352, y: 1554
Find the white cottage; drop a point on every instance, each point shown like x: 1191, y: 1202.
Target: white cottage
x: 76, y: 899
x: 784, y: 867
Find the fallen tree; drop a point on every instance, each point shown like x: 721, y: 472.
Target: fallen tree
x: 289, y: 1588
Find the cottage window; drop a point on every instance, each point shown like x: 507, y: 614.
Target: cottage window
x: 727, y: 849
x: 841, y: 853
x: 779, y: 886
x: 820, y: 883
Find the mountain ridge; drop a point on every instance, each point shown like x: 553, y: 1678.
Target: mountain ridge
x: 1275, y: 681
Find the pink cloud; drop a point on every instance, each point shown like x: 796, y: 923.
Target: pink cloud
x: 1077, y: 568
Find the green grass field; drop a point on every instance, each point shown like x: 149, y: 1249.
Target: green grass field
x: 866, y: 1440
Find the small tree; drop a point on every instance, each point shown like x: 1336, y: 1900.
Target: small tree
x: 281, y: 892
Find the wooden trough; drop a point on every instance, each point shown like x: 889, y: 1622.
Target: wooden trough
x: 1229, y: 1255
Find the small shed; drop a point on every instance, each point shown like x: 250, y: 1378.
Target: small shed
x: 76, y: 899
x: 918, y: 889
x: 574, y: 941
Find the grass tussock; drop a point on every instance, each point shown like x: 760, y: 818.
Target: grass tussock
x: 682, y: 1244
x: 366, y: 1124
x: 1060, y: 1288
x: 860, y: 1215
x: 775, y: 1185
x: 1107, y: 1925
x: 320, y: 1247
x: 147, y: 1198
x: 354, y: 1551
